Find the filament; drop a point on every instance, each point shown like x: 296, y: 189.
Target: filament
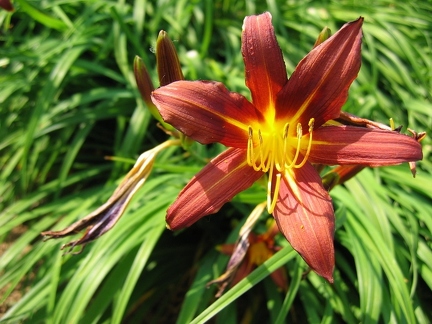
x: 311, y: 125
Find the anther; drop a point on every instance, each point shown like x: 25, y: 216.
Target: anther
x: 311, y: 124
x: 299, y: 130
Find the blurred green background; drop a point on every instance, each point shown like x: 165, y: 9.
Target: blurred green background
x: 68, y: 99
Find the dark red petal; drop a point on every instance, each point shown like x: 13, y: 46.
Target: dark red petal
x: 207, y: 112
x: 264, y: 65
x: 6, y: 5
x: 217, y: 183
x: 279, y: 277
x: 364, y: 146
x: 304, y: 214
x: 319, y: 85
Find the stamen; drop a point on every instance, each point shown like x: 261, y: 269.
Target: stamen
x: 285, y: 131
x: 299, y: 136
x: 250, y: 146
x: 270, y: 150
x: 272, y: 200
x: 285, y: 140
x: 311, y: 125
x: 261, y: 150
x: 269, y: 157
x: 251, y: 159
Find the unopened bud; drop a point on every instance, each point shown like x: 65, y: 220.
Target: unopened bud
x: 168, y: 64
x: 145, y: 87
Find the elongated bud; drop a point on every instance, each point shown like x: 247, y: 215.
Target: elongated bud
x: 143, y: 80
x: 325, y: 33
x: 145, y: 87
x: 168, y: 64
x: 169, y: 69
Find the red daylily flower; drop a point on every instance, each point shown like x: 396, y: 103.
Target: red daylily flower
x: 280, y: 133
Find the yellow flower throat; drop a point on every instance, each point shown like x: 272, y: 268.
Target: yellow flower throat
x: 280, y: 151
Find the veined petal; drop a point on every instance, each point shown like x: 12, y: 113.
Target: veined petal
x: 264, y: 65
x: 305, y: 216
x: 319, y: 85
x: 364, y: 146
x: 217, y: 183
x: 207, y: 112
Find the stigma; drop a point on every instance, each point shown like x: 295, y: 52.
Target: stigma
x: 276, y: 151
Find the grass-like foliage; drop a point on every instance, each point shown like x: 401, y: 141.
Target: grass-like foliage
x: 68, y: 99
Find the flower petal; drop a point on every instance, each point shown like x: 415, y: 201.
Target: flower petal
x: 364, y: 146
x: 304, y: 214
x: 264, y: 65
x: 217, y: 183
x: 319, y: 85
x: 207, y: 112
x: 6, y: 5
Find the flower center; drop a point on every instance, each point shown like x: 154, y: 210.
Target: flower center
x: 278, y: 151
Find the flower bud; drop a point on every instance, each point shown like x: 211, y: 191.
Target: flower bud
x: 168, y: 64
x: 145, y: 87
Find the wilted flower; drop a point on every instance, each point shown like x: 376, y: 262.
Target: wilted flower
x: 105, y: 217
x: 280, y: 133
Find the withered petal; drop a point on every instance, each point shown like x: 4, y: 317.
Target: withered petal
x: 98, y: 223
x: 305, y: 216
x: 319, y: 85
x: 207, y: 112
x: 217, y: 183
x: 106, y: 216
x: 362, y: 146
x: 264, y: 65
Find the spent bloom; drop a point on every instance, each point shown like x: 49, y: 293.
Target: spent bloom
x: 106, y: 216
x: 280, y: 132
